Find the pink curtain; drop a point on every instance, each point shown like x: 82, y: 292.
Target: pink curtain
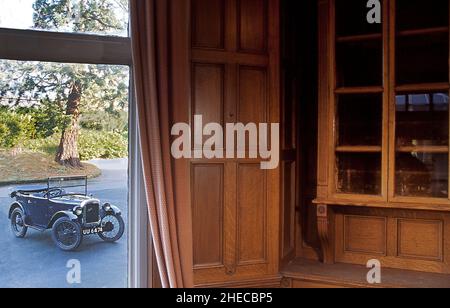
x: 152, y: 37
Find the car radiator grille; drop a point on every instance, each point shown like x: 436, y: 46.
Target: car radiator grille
x: 91, y: 213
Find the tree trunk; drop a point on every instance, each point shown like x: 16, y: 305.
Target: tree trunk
x: 67, y: 154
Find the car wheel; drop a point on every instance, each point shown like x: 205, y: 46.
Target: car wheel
x: 67, y: 234
x: 113, y: 228
x: 18, y: 224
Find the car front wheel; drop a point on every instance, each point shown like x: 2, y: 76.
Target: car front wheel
x: 18, y: 224
x: 67, y: 234
x: 113, y: 228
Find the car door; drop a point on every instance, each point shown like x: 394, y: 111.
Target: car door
x: 38, y: 210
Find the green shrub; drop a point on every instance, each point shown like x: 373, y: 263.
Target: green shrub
x: 91, y: 144
x: 105, y: 121
x: 107, y: 145
x: 15, y: 129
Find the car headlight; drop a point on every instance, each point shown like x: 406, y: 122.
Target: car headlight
x: 107, y: 207
x: 78, y: 211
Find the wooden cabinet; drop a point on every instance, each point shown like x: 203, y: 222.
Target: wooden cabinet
x: 384, y: 134
x: 234, y: 79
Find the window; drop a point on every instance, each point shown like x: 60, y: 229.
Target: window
x: 64, y: 97
x: 391, y: 102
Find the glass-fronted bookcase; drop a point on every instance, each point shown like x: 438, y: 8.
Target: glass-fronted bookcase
x: 387, y: 105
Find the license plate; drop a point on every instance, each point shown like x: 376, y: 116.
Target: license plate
x: 92, y: 231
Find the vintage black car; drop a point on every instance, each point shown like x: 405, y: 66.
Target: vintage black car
x: 69, y: 215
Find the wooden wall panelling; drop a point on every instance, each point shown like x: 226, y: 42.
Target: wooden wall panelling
x: 235, y: 78
x: 420, y: 239
x: 364, y: 234
x: 403, y: 239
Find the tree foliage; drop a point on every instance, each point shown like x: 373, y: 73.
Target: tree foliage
x: 92, y: 16
x: 44, y: 90
x: 29, y: 84
x: 14, y: 128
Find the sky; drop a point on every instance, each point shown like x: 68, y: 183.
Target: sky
x: 16, y: 14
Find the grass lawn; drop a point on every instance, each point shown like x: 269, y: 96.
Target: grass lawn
x: 28, y: 167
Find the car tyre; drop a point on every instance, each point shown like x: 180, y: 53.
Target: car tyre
x: 67, y: 234
x: 18, y: 223
x: 116, y: 221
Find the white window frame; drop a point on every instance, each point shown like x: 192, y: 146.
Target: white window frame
x: 31, y: 45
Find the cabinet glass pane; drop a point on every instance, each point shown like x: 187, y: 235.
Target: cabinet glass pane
x: 422, y: 119
x: 359, y: 63
x: 419, y: 14
x: 359, y: 173
x: 359, y: 119
x: 351, y: 18
x: 422, y: 59
x: 422, y: 175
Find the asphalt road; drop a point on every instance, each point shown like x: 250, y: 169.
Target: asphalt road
x: 35, y: 262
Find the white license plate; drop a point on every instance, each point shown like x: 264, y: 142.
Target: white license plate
x: 92, y: 231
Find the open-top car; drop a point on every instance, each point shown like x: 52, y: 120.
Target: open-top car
x: 69, y: 215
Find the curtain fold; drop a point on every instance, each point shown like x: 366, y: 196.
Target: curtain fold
x: 151, y: 41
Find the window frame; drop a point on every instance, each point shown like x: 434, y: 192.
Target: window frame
x: 31, y: 45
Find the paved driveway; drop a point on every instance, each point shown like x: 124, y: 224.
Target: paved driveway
x: 36, y: 262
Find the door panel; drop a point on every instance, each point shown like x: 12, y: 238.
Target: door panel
x: 252, y: 104
x: 252, y: 213
x: 208, y: 208
x: 235, y: 79
x: 208, y: 22
x: 38, y: 209
x: 252, y: 25
x: 208, y: 93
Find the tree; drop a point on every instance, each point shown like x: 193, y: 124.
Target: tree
x: 72, y: 89
x: 78, y: 87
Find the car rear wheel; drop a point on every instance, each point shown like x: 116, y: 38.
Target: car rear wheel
x: 67, y: 234
x: 113, y: 228
x: 18, y: 224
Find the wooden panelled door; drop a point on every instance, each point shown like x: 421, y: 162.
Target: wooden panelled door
x: 235, y: 79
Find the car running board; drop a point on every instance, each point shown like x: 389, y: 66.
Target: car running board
x: 40, y: 229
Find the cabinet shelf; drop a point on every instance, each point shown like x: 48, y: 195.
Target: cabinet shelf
x: 423, y: 149
x: 359, y: 38
x: 423, y: 87
x: 359, y: 90
x: 359, y: 149
x: 426, y: 31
